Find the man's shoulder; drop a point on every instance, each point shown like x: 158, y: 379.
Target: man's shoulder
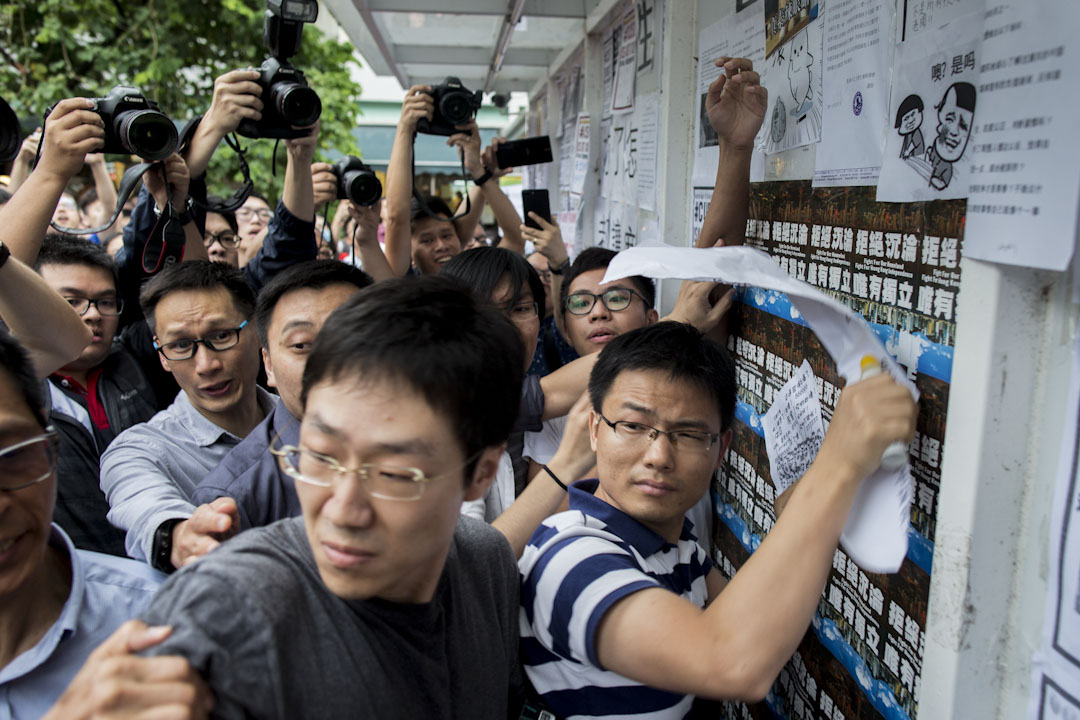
x: 475, y: 538
x: 132, y: 577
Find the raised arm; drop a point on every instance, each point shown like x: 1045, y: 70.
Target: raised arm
x: 365, y: 241
x: 737, y: 646
x: 549, y: 243
x: 418, y: 104
x: 50, y: 330
x: 103, y: 184
x: 178, y: 178
x: 506, y: 214
x: 563, y: 387
x: 236, y: 97
x: 298, y: 193
x: 72, y: 130
x: 736, y: 105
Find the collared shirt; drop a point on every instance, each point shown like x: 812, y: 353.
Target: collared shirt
x: 88, y: 394
x: 577, y: 565
x: 105, y: 592
x: 250, y: 474
x: 150, y: 470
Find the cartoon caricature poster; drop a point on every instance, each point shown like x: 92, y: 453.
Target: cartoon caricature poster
x: 792, y: 74
x: 932, y: 111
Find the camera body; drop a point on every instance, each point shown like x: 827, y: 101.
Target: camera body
x: 454, y: 105
x: 287, y: 101
x: 356, y: 181
x: 134, y: 125
x: 10, y: 133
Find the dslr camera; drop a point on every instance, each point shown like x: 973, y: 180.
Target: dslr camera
x: 287, y: 99
x: 134, y: 125
x: 454, y: 105
x: 357, y: 182
x: 10, y: 135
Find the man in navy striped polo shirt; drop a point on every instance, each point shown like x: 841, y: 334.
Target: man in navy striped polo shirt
x: 622, y: 611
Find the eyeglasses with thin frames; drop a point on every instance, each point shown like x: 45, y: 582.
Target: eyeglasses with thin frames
x: 248, y: 212
x: 106, y: 307
x: 29, y: 462
x: 634, y: 432
x: 217, y: 341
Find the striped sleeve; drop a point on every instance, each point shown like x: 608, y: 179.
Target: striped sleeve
x: 571, y: 585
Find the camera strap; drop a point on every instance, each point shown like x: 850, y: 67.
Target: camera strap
x: 237, y: 199
x: 420, y: 198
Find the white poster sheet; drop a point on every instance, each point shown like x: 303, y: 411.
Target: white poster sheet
x: 928, y: 145
x: 581, y: 155
x: 1055, y: 684
x: 793, y: 429
x: 1024, y: 183
x: 630, y: 154
x: 615, y: 224
x: 876, y: 534
x: 855, y: 83
x: 792, y: 75
x: 740, y: 36
x: 622, y: 95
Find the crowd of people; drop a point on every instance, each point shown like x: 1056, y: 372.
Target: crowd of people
x: 440, y: 478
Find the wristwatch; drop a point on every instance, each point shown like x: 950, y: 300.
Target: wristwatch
x: 484, y: 178
x: 4, y: 253
x: 561, y: 269
x: 185, y: 215
x: 161, y: 549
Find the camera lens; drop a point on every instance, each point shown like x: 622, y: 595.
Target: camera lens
x: 297, y: 104
x: 456, y: 108
x: 362, y: 187
x: 9, y: 133
x: 147, y: 133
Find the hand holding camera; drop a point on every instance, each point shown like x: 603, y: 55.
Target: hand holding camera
x: 467, y: 141
x: 453, y: 107
x: 419, y: 105
x: 490, y: 160
x: 72, y: 130
x: 236, y: 98
x: 324, y: 183
x: 178, y: 178
x: 357, y: 182
x: 366, y: 218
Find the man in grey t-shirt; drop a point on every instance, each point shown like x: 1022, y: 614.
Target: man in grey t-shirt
x: 381, y: 601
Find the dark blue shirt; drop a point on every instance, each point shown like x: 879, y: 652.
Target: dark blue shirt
x: 250, y: 475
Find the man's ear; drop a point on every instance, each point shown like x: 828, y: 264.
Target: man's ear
x: 725, y: 443
x: 270, y: 381
x: 164, y: 361
x: 652, y: 316
x: 484, y: 472
x: 594, y: 428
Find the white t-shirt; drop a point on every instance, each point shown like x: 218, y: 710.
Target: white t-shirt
x: 497, y: 498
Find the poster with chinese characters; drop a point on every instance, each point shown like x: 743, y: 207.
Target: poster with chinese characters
x: 622, y: 94
x: 628, y: 165
x: 928, y: 143
x: 615, y: 224
x: 1024, y: 183
x: 858, y: 49
x: 792, y: 74
x: 897, y: 266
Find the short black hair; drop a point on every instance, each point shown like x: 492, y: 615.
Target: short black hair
x: 64, y: 249
x: 197, y: 275
x: 17, y: 363
x: 680, y: 350
x: 911, y: 102
x: 482, y: 268
x: 311, y: 274
x: 86, y: 198
x: 435, y: 205
x: 965, y: 96
x: 464, y: 358
x: 216, y: 201
x: 597, y: 258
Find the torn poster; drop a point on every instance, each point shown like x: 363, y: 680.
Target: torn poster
x: 793, y: 429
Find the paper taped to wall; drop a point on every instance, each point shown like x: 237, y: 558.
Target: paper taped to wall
x: 876, y: 533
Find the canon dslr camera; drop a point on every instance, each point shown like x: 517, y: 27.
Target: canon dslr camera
x: 454, y: 105
x: 288, y: 101
x: 10, y: 134
x: 134, y: 125
x: 357, y: 182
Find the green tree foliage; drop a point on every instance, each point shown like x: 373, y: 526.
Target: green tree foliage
x: 171, y: 51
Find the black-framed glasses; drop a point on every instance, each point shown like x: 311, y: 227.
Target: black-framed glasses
x: 243, y: 212
x: 634, y: 432
x: 615, y: 299
x: 29, y: 462
x: 227, y: 239
x: 522, y: 312
x: 217, y: 341
x: 106, y: 307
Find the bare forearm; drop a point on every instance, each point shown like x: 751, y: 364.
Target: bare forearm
x: 298, y: 194
x: 540, y: 499
x: 505, y: 215
x: 194, y: 249
x: 398, y: 198
x: 563, y: 387
x: 726, y: 217
x: 25, y: 218
x: 106, y: 190
x: 375, y: 263
x: 465, y: 223
x: 44, y: 323
x: 20, y: 170
x: 202, y: 147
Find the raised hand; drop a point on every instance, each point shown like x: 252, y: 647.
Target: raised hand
x: 736, y: 102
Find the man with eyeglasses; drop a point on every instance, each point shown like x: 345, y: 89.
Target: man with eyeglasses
x: 200, y: 314
x: 57, y: 603
x: 381, y: 601
x: 623, y: 613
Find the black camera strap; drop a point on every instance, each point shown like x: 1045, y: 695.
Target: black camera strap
x: 420, y: 198
x: 242, y: 193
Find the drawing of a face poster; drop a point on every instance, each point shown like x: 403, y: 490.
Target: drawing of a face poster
x: 792, y: 74
x: 928, y: 146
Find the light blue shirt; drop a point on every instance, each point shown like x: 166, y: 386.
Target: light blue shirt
x: 149, y: 472
x: 106, y: 591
